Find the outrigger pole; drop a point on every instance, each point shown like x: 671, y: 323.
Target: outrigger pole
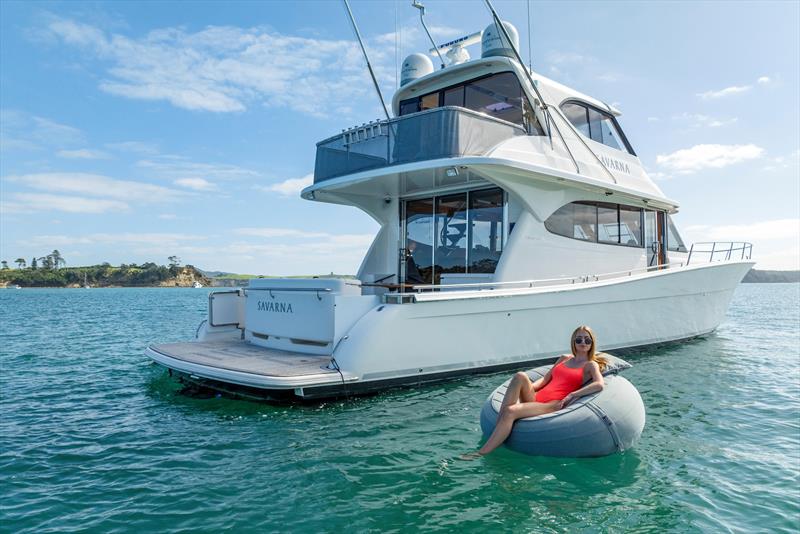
x: 366, y: 58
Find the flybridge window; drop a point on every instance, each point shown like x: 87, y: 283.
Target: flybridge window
x: 598, y: 222
x: 498, y: 95
x: 597, y: 125
x: 674, y: 241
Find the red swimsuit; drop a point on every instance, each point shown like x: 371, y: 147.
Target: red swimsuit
x: 564, y: 380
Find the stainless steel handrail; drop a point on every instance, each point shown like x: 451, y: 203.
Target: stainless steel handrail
x: 718, y: 247
x: 298, y: 289
x: 746, y: 254
x: 547, y: 281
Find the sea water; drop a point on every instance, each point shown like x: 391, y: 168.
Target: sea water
x: 93, y: 437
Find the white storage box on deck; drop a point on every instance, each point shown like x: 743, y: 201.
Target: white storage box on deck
x: 303, y: 314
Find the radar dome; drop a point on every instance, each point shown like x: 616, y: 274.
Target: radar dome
x: 494, y: 43
x: 415, y: 66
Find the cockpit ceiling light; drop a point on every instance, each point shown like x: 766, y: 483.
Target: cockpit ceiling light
x: 451, y: 172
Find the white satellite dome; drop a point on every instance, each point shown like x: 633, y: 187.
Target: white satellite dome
x: 415, y: 66
x: 494, y: 43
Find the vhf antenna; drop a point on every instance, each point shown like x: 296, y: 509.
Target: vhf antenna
x: 418, y: 5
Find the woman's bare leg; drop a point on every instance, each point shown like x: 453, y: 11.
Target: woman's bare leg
x: 519, y: 389
x: 509, y: 414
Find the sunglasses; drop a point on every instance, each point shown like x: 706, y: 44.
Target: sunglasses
x: 583, y: 340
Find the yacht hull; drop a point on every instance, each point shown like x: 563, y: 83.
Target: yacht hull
x: 457, y: 333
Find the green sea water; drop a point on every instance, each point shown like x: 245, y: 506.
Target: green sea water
x: 94, y: 438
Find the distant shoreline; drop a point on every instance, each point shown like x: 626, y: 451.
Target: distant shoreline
x: 187, y: 276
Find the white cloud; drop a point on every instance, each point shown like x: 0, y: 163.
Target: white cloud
x: 168, y: 216
x: 165, y: 239
x: 291, y: 187
x: 198, y: 184
x: 728, y: 91
x: 698, y: 120
x: 752, y: 232
x: 22, y: 131
x: 96, y: 185
x: 700, y: 157
x: 785, y: 259
x: 228, y: 69
x: 35, y: 202
x: 177, y: 167
x: 764, y: 80
x: 138, y: 147
x: 560, y: 58
x: 84, y: 153
x: 278, y: 232
x: 351, y: 245
x: 783, y: 162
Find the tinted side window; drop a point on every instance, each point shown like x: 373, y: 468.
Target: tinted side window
x: 575, y: 220
x: 454, y: 96
x: 603, y: 130
x: 596, y: 125
x: 577, y: 116
x: 674, y: 241
x: 499, y: 95
x: 607, y: 223
x: 630, y: 226
x: 598, y: 222
x: 409, y: 106
x: 485, y: 230
x: 429, y: 101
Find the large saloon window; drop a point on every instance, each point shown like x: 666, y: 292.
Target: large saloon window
x: 454, y: 233
x: 498, y: 95
x: 597, y: 125
x: 598, y: 222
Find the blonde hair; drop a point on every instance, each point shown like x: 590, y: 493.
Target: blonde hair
x: 593, y: 356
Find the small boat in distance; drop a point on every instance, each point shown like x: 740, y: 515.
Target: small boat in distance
x: 197, y: 285
x: 511, y: 208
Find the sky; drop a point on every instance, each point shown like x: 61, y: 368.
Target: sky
x: 134, y: 131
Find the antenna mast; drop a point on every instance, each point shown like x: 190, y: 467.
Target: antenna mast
x: 418, y: 5
x: 366, y: 58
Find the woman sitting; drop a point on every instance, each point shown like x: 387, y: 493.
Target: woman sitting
x: 555, y: 390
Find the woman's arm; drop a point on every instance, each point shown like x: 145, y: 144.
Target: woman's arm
x: 542, y: 382
x: 594, y: 386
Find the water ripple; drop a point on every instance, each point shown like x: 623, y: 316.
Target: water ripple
x: 93, y: 437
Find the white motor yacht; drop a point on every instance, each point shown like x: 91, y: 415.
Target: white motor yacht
x: 511, y: 208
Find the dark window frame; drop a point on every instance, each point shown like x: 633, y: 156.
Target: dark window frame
x: 596, y: 240
x: 505, y: 226
x: 418, y: 99
x: 606, y: 114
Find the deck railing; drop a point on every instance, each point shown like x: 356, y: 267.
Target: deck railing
x: 721, y: 251
x: 445, y: 132
x: 724, y: 251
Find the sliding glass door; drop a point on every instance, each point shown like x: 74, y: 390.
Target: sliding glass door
x: 458, y: 233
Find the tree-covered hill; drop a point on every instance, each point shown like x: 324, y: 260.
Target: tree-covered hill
x: 105, y: 275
